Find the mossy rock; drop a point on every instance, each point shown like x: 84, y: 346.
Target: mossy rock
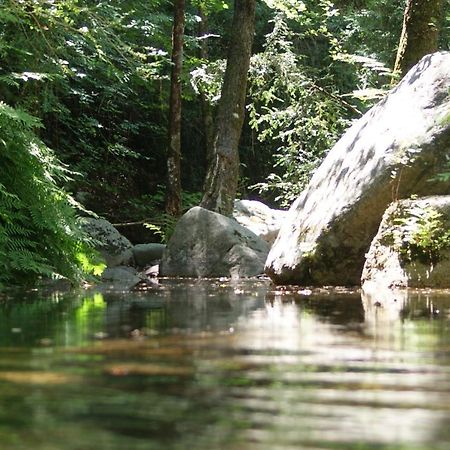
x: 412, y: 246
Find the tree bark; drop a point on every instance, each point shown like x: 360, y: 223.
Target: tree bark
x: 421, y: 22
x: 223, y: 172
x: 173, y: 193
x: 206, y: 108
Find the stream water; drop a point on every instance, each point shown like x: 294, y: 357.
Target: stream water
x: 224, y: 365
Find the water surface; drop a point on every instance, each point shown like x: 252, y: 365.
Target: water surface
x: 224, y: 365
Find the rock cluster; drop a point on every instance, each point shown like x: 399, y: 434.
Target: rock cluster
x: 204, y: 244
x: 393, y: 152
x: 127, y: 264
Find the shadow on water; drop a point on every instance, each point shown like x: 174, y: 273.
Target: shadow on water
x: 219, y: 365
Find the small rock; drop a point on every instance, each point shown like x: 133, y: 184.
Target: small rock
x: 115, y: 248
x: 122, y: 278
x: 152, y: 271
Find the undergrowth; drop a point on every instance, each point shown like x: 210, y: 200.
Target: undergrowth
x: 39, y: 226
x: 419, y: 233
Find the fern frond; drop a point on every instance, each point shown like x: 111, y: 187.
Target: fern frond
x: 39, y: 230
x: 19, y: 115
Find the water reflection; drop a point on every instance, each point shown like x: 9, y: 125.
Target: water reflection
x: 220, y: 365
x: 364, y: 378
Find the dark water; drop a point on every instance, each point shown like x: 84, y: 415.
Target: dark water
x: 214, y: 365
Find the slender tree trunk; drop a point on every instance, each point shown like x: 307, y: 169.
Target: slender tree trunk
x: 173, y: 194
x: 420, y: 33
x: 223, y: 173
x: 206, y: 108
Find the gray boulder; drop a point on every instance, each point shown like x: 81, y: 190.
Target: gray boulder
x: 259, y: 218
x: 115, y: 248
x: 120, y: 278
x: 207, y: 244
x: 412, y: 246
x: 147, y: 254
x: 391, y: 152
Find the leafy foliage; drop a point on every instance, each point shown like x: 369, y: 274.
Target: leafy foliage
x: 419, y: 233
x: 39, y: 232
x: 163, y: 224
x: 295, y: 103
x: 372, y: 28
x: 93, y: 72
x: 322, y: 65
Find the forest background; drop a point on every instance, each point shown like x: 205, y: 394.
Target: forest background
x: 85, y: 99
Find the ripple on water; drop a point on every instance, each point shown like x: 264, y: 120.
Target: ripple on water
x: 225, y: 365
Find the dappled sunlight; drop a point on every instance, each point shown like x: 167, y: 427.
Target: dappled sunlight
x: 37, y: 378
x: 141, y: 369
x: 131, y: 317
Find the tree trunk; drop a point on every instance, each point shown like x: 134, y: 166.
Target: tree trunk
x: 173, y: 193
x: 419, y: 34
x: 223, y: 172
x: 206, y: 108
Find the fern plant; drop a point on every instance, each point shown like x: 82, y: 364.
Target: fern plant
x: 39, y: 232
x: 419, y: 233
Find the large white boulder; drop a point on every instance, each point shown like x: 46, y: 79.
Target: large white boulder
x: 259, y: 218
x: 391, y: 152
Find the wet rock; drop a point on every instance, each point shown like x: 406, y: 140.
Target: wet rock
x: 207, y: 244
x: 115, y: 248
x: 259, y: 218
x: 147, y: 254
x: 394, y: 149
x: 412, y: 246
x: 120, y: 278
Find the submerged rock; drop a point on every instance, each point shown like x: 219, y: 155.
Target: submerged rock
x: 393, y: 150
x: 412, y: 246
x: 259, y: 218
x: 207, y: 244
x: 115, y: 248
x: 120, y: 278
